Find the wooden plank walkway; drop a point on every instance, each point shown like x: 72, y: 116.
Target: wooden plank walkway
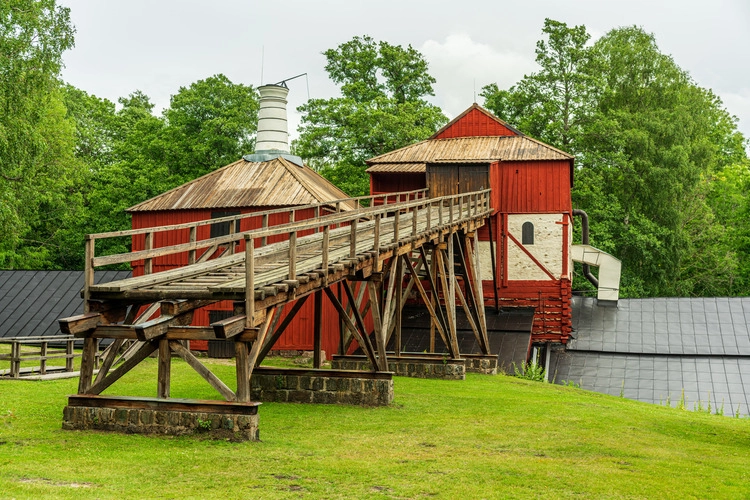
x: 414, y: 236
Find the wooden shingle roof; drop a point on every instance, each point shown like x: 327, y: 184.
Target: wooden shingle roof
x: 274, y: 183
x: 465, y: 149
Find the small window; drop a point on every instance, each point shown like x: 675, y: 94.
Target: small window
x: 222, y: 228
x: 527, y: 233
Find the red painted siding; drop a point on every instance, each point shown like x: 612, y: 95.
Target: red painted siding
x: 299, y: 333
x: 531, y: 187
x: 475, y: 123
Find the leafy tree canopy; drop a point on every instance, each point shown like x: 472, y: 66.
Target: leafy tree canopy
x: 382, y: 107
x: 38, y: 173
x: 649, y: 144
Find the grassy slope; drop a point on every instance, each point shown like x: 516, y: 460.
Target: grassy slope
x: 486, y: 437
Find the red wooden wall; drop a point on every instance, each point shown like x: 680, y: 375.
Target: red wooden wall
x: 527, y: 187
x: 475, y: 123
x: 299, y: 334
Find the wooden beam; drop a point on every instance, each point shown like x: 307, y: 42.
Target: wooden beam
x: 112, y: 351
x: 362, y: 340
x: 79, y: 324
x: 88, y: 359
x: 229, y: 327
x: 317, y: 319
x: 204, y: 372
x: 165, y: 370
x: 258, y: 344
x: 277, y: 333
x: 242, y: 364
x: 428, y: 304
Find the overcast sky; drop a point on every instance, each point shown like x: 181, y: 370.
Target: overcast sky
x: 159, y: 45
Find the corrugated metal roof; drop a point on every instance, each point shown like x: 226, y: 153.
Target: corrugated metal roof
x: 31, y: 302
x: 468, y: 149
x: 272, y: 183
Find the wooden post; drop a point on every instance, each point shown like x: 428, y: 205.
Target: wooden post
x: 293, y: 255
x: 264, y: 225
x: 193, y: 239
x: 353, y: 239
x: 249, y: 282
x: 88, y: 358
x: 242, y: 364
x: 414, y: 213
x: 148, y: 245
x: 326, y: 242
x: 376, y: 243
x: 165, y: 369
x: 69, y: 355
x: 15, y: 359
x: 317, y: 319
x: 88, y: 281
x: 399, y: 304
x: 43, y: 358
x: 396, y: 224
x: 317, y: 216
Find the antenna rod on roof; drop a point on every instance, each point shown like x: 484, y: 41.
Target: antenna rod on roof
x: 283, y: 82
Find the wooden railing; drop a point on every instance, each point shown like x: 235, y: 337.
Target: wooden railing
x: 362, y: 229
x: 38, y: 349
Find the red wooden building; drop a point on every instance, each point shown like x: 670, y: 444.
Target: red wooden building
x: 525, y: 248
x: 269, y: 179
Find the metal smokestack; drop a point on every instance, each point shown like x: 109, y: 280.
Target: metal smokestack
x: 273, y: 133
x: 272, y: 139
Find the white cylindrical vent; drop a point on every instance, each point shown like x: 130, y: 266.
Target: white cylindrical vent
x: 273, y: 135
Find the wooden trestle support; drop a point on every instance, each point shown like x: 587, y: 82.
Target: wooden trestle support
x: 386, y: 251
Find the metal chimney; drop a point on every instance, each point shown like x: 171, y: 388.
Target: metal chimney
x: 273, y: 135
x: 272, y: 139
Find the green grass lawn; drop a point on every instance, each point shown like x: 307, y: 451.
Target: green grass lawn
x: 485, y: 437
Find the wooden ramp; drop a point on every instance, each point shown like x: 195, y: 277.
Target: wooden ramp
x: 397, y: 244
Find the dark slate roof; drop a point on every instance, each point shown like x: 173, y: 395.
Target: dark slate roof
x: 659, y: 379
x: 703, y: 326
x: 654, y: 349
x: 31, y: 302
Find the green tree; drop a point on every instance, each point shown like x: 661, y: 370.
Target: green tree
x: 39, y: 176
x: 553, y: 103
x: 649, y: 144
x: 382, y: 107
x: 209, y: 124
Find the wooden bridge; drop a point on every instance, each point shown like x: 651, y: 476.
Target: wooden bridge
x: 397, y: 244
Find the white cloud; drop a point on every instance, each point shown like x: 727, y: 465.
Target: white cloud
x: 462, y: 66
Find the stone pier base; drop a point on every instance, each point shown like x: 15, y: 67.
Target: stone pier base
x: 419, y: 366
x: 480, y: 363
x: 215, y: 419
x: 291, y: 385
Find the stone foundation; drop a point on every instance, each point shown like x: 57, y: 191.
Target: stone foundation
x: 214, y: 419
x: 421, y: 366
x: 289, y: 385
x: 480, y: 363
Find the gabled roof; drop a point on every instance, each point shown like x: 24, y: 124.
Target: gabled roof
x: 474, y: 136
x: 466, y: 150
x: 274, y: 183
x: 32, y: 301
x: 475, y: 121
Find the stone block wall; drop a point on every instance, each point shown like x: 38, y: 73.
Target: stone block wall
x: 321, y: 386
x: 418, y: 367
x: 476, y: 363
x: 153, y: 418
